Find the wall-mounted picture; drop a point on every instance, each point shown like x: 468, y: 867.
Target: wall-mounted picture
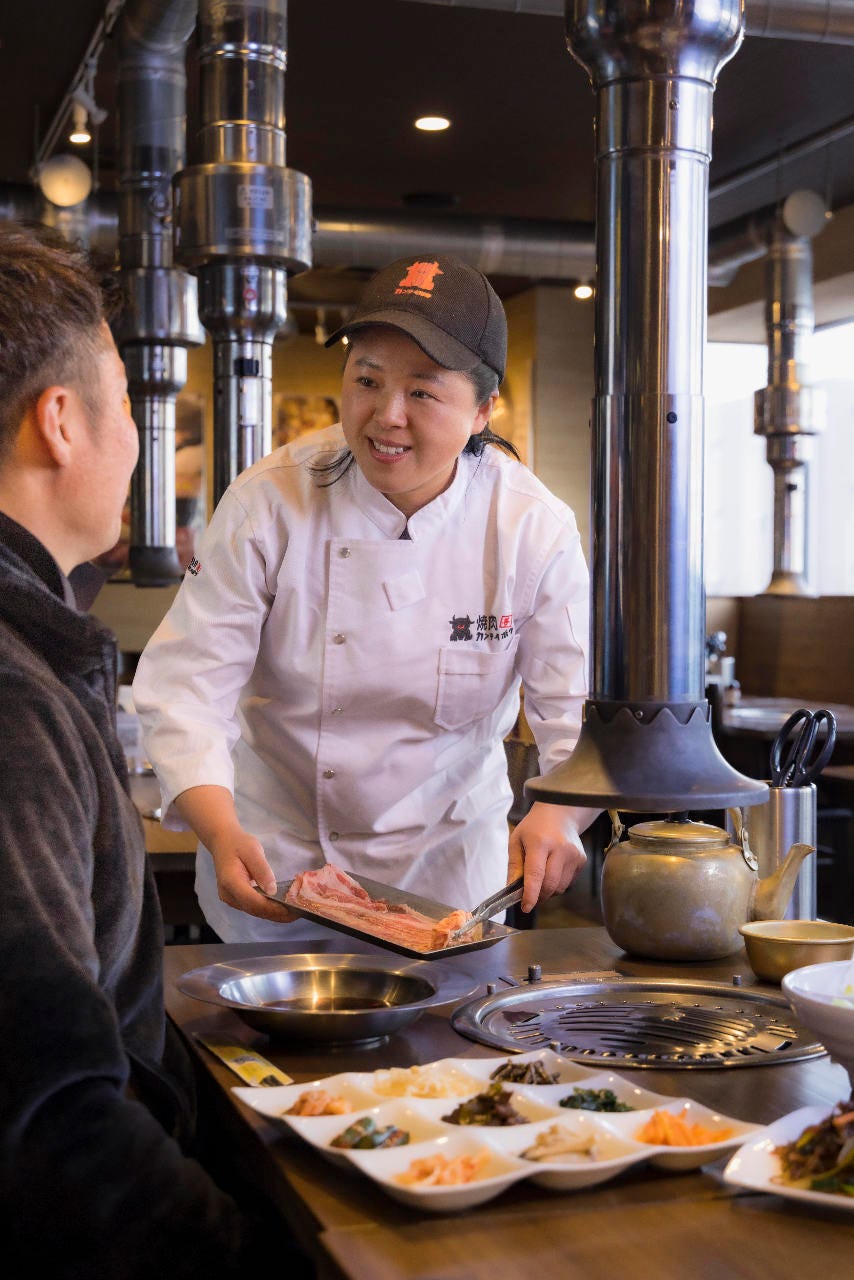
x: 295, y: 415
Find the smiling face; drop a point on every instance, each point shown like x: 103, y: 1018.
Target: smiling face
x: 405, y: 418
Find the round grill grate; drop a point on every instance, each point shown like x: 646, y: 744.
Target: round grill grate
x: 654, y: 1023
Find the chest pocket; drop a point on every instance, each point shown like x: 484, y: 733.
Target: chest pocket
x: 471, y: 684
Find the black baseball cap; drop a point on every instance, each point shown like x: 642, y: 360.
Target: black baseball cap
x: 449, y: 308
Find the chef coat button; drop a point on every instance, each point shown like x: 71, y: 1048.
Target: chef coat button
x: 344, y: 552
x: 336, y: 711
x: 339, y: 639
x: 333, y: 835
x: 329, y: 773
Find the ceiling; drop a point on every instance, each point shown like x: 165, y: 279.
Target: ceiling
x: 521, y: 142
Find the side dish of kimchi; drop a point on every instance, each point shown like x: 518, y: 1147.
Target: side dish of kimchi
x: 822, y: 1157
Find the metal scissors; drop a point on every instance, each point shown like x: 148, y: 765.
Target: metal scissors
x: 793, y: 762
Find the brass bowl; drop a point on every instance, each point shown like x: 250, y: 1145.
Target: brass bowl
x: 775, y: 947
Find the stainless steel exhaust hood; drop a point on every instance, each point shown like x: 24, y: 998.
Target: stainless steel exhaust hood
x: 646, y: 742
x: 160, y: 319
x: 789, y: 413
x: 243, y: 220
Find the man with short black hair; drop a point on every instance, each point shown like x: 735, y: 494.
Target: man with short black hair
x: 95, y: 1097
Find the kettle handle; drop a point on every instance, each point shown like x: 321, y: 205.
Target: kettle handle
x: 739, y: 822
x: 617, y: 830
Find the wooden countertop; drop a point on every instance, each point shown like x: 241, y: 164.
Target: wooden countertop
x: 763, y: 717
x: 647, y: 1224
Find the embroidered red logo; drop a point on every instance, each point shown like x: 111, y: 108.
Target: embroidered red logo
x: 420, y: 278
x: 194, y: 567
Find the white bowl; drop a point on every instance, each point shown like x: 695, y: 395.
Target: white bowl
x: 822, y: 996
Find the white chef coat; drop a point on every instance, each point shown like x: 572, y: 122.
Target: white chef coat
x: 351, y: 686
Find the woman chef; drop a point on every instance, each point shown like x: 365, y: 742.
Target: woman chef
x: 336, y: 676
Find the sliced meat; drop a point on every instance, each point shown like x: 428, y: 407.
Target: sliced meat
x: 331, y: 893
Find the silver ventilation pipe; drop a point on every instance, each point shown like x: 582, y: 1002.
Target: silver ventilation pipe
x: 646, y: 742
x: 535, y: 250
x: 823, y: 21
x: 828, y: 21
x: 242, y: 219
x: 505, y: 246
x: 789, y: 412
x: 160, y: 318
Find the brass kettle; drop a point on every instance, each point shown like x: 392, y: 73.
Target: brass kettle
x: 680, y: 890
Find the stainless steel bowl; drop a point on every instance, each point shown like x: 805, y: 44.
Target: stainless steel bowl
x: 343, y: 999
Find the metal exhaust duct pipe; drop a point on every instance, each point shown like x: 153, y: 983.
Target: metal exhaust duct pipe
x: 646, y: 742
x: 506, y: 246
x: 242, y: 219
x: 535, y: 250
x: 825, y: 21
x: 160, y: 318
x: 788, y: 412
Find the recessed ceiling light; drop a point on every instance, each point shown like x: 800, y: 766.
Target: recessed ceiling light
x: 583, y: 292
x: 432, y: 124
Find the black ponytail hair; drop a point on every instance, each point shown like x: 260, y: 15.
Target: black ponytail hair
x: 476, y: 444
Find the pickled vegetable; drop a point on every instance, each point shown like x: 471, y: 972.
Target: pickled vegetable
x: 666, y: 1130
x: 822, y: 1157
x: 317, y: 1102
x: 364, y: 1135
x: 439, y: 1171
x: 524, y: 1073
x: 559, y: 1145
x: 493, y: 1107
x: 594, y: 1100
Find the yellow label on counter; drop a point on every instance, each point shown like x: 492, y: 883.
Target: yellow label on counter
x: 247, y: 1064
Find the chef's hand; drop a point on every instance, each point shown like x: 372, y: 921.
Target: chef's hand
x: 546, y: 846
x: 241, y: 865
x: 238, y: 856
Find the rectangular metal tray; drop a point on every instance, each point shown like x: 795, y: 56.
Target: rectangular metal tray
x: 491, y: 932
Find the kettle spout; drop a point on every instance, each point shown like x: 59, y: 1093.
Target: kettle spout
x: 771, y: 895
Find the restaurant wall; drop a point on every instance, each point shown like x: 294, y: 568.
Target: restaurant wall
x: 550, y: 381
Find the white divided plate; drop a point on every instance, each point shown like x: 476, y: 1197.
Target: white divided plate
x: 755, y: 1166
x: 611, y: 1152
x: 499, y: 1172
x: 627, y: 1123
x: 422, y: 1117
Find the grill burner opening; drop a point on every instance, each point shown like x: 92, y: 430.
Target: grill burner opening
x: 656, y: 1023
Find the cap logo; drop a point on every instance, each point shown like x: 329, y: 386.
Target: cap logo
x: 419, y: 279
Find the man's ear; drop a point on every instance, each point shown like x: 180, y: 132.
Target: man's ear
x: 55, y: 416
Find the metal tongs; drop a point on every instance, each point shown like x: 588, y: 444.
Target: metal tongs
x: 506, y: 897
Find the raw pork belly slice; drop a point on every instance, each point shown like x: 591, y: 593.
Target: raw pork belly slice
x: 331, y: 893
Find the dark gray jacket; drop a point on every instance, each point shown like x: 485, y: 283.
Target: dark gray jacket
x: 92, y: 1182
